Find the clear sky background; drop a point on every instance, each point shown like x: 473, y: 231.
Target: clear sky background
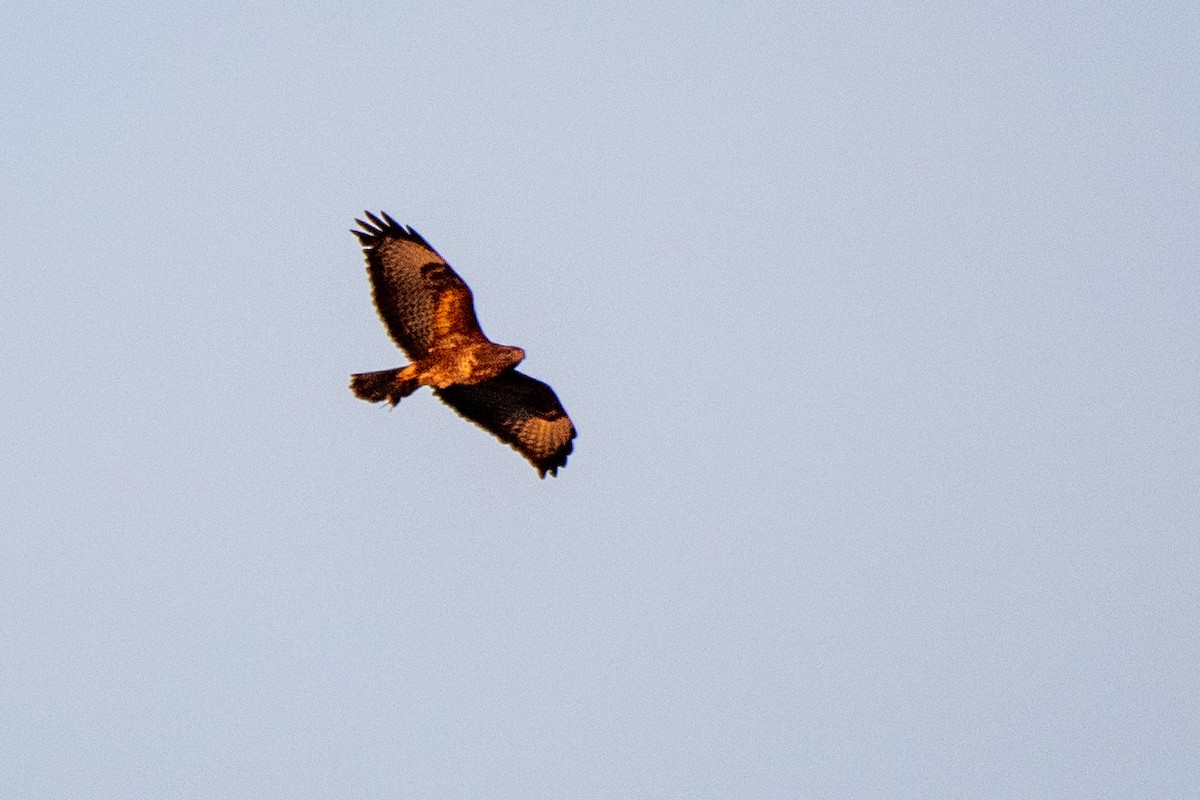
x: 880, y: 324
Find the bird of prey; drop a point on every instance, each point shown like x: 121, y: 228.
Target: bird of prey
x: 429, y: 312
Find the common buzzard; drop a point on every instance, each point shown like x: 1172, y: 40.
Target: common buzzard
x: 429, y: 313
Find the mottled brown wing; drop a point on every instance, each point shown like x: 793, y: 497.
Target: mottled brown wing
x: 521, y: 412
x: 419, y: 297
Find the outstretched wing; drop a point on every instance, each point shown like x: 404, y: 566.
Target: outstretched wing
x: 419, y: 297
x: 521, y: 412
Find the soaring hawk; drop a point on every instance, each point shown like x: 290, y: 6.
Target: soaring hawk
x: 429, y: 313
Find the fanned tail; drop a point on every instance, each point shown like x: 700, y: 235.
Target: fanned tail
x: 375, y: 387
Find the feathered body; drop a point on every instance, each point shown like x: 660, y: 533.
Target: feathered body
x: 429, y: 312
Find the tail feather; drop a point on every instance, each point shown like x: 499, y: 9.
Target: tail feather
x: 375, y: 387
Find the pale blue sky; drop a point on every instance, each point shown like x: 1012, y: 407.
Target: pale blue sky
x: 879, y: 323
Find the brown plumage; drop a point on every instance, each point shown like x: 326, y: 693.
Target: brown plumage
x: 429, y: 312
